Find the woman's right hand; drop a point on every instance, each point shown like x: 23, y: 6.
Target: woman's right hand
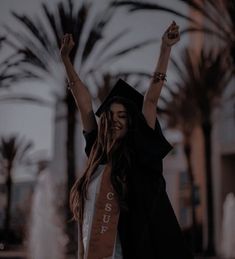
x: 67, y: 44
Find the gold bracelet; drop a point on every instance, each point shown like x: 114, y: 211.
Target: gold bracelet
x: 158, y: 76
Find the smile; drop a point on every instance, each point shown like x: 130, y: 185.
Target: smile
x: 116, y: 128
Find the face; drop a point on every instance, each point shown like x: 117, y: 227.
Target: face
x: 119, y: 120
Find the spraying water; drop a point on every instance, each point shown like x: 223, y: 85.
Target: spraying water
x: 228, y: 227
x: 46, y: 236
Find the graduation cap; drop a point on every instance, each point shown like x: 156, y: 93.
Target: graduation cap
x: 123, y: 91
x: 145, y: 136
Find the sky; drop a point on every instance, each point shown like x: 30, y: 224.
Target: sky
x: 37, y: 122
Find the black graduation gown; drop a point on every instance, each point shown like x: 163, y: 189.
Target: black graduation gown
x: 149, y: 230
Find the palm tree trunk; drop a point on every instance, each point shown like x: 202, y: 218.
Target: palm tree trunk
x: 232, y: 52
x: 7, y: 219
x: 70, y: 153
x: 206, y: 128
x: 187, y: 151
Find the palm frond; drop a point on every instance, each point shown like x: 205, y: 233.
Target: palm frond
x: 219, y: 17
x: 24, y: 149
x: 97, y: 31
x: 13, y: 148
x: 28, y: 51
x: 35, y: 28
x: 205, y: 30
x: 110, y: 42
x: 136, y: 6
x: 230, y: 8
x: 2, y: 39
x: 37, y: 45
x: 200, y: 85
x: 118, y: 54
x: 202, y: 10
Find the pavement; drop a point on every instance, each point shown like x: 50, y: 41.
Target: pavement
x: 12, y: 255
x: 20, y: 253
x: 211, y: 258
x: 13, y: 252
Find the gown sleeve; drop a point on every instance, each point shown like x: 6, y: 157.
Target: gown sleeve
x: 150, y: 144
x: 90, y: 138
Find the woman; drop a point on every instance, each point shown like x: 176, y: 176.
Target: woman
x: 120, y: 201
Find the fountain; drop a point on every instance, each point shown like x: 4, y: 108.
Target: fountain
x: 46, y: 236
x: 228, y: 227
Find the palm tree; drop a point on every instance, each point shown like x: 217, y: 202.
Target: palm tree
x: 13, y: 150
x: 200, y: 89
x: 37, y: 55
x: 218, y: 19
x: 2, y: 62
x: 218, y: 22
x: 181, y: 113
x: 7, y: 74
x: 5, y: 77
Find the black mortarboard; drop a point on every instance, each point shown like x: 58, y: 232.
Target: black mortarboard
x: 124, y: 91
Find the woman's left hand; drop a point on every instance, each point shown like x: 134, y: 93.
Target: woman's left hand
x: 171, y: 35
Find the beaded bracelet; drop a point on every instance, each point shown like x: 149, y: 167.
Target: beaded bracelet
x: 70, y: 84
x: 158, y: 76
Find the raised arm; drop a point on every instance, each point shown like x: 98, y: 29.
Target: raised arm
x: 79, y: 90
x: 169, y: 38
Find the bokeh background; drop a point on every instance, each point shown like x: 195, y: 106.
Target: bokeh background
x: 41, y: 142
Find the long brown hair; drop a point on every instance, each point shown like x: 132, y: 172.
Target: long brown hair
x: 116, y: 153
